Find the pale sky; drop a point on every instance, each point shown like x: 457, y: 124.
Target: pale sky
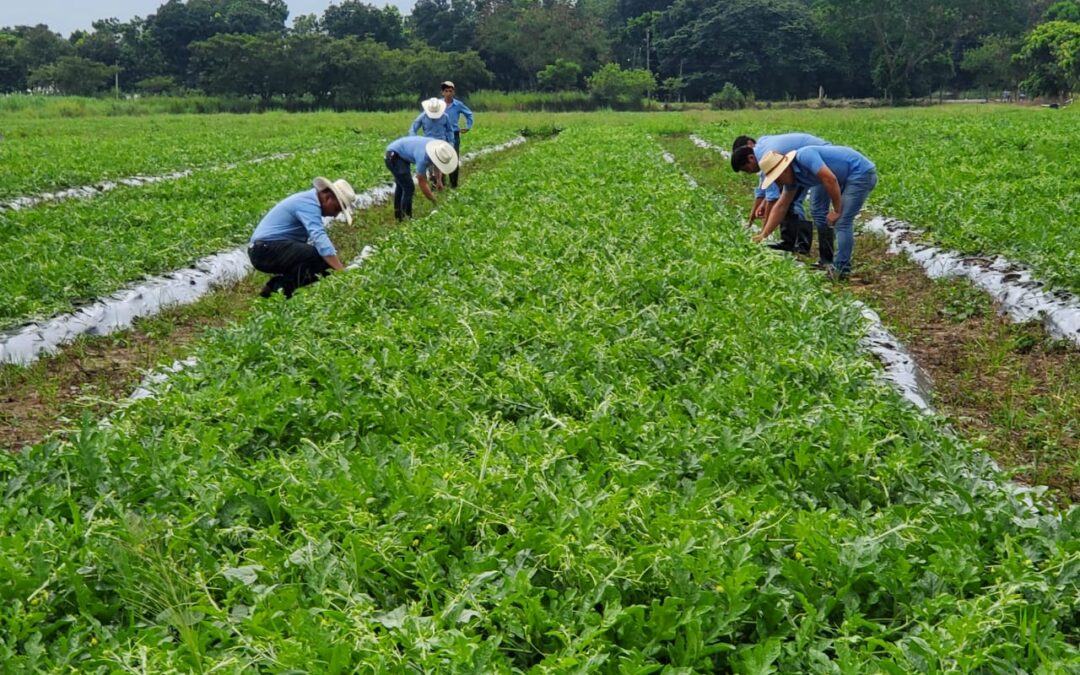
x: 65, y: 16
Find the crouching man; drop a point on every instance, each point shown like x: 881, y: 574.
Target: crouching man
x: 290, y: 241
x: 423, y: 152
x: 846, y: 177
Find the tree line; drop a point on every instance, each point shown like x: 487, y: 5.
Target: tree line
x: 355, y: 53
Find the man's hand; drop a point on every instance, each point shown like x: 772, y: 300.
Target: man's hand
x: 759, y: 212
x: 757, y: 238
x: 425, y: 187
x: 832, y: 217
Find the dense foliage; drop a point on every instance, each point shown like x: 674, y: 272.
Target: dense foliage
x: 58, y: 255
x: 355, y: 54
x: 573, y: 423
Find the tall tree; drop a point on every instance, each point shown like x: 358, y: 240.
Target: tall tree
x: 74, y: 76
x: 177, y: 24
x: 253, y: 65
x: 991, y: 64
x: 363, y: 21
x: 516, y: 41
x: 449, y: 25
x: 910, y: 34
x: 12, y: 73
x: 765, y: 46
x: 1051, y: 52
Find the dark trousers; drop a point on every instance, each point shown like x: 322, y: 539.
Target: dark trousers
x: 796, y: 234
x: 403, y: 185
x: 826, y: 243
x: 294, y: 264
x: 457, y: 149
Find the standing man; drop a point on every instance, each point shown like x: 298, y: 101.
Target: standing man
x: 454, y: 110
x: 435, y: 125
x: 279, y: 245
x: 843, y: 174
x: 795, y: 230
x: 422, y: 152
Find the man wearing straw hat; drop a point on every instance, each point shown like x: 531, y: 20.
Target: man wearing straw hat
x: 796, y: 231
x: 435, y: 125
x: 280, y: 244
x: 454, y: 110
x: 847, y: 178
x: 423, y: 152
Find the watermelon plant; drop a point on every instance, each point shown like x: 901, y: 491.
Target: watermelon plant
x: 572, y: 424
x: 63, y: 254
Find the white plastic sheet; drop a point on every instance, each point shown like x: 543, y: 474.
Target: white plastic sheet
x: 702, y: 143
x: 900, y: 366
x: 1019, y: 295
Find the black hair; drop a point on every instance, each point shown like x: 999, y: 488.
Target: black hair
x: 740, y: 156
x: 741, y: 141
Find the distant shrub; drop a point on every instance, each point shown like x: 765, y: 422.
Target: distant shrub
x: 611, y: 85
x: 562, y: 74
x: 728, y: 98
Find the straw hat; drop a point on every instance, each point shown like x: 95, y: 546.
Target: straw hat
x: 434, y: 107
x: 443, y: 155
x: 342, y: 191
x: 773, y: 164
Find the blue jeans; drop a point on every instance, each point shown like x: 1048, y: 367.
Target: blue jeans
x: 852, y: 197
x: 403, y: 184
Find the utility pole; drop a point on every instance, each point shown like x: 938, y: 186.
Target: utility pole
x: 116, y: 83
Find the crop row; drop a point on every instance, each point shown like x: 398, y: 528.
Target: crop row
x: 46, y: 155
x: 977, y: 181
x: 576, y: 422
x: 58, y: 255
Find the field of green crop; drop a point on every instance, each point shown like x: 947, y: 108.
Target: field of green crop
x: 980, y: 180
x: 46, y: 155
x: 574, y: 422
x: 58, y: 255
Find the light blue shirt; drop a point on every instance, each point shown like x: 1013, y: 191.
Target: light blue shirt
x: 439, y: 129
x: 845, y: 163
x: 782, y: 144
x: 296, y: 218
x: 454, y: 112
x: 413, y: 149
